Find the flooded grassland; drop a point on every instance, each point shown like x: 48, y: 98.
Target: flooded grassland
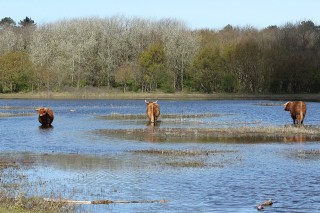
x: 203, y: 156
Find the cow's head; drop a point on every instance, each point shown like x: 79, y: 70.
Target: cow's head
x: 287, y: 106
x: 42, y: 111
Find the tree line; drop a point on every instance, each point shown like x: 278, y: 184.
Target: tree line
x: 144, y: 55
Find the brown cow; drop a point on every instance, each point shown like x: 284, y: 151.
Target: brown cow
x: 297, y: 110
x: 153, y: 111
x: 46, y: 116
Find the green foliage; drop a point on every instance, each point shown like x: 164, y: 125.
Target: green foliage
x: 152, y: 63
x: 208, y: 70
x: 125, y: 76
x: 7, y: 22
x: 27, y: 22
x: 16, y: 72
x: 142, y: 55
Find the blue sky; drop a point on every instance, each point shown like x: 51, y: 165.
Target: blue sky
x: 197, y: 14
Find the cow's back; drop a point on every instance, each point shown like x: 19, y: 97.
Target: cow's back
x: 299, y: 107
x: 156, y: 110
x: 47, y: 119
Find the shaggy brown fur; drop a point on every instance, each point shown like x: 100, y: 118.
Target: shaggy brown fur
x: 153, y: 111
x: 46, y: 116
x: 297, y: 110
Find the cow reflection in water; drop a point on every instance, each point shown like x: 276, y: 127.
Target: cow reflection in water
x: 153, y: 134
x: 154, y: 124
x: 295, y: 138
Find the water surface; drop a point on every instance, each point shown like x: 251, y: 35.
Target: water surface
x: 73, y: 161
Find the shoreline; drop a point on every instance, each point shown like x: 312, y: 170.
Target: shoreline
x: 158, y: 96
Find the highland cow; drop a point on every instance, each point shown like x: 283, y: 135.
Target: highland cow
x: 46, y: 116
x: 297, y: 110
x: 153, y: 111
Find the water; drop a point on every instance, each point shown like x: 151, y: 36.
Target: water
x: 72, y: 161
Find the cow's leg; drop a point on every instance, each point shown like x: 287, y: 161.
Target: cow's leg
x: 299, y: 120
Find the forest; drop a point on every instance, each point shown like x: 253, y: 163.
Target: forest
x: 142, y: 55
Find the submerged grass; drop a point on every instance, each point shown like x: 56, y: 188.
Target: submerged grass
x: 12, y: 199
x: 191, y: 158
x: 7, y: 115
x: 236, y: 134
x: 305, y: 154
x: 181, y: 152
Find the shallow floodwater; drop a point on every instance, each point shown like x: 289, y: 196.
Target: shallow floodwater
x: 72, y: 161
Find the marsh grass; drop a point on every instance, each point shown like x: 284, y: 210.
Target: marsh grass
x: 181, y: 152
x: 12, y: 199
x: 7, y: 115
x: 236, y: 134
x: 305, y: 154
x: 192, y: 164
x: 118, y: 116
x: 191, y: 158
x: 15, y: 108
x: 5, y: 112
x: 269, y: 104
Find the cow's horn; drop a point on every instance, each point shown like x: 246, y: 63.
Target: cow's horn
x: 155, y: 101
x: 146, y: 101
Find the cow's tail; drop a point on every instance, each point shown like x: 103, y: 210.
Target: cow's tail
x: 301, y: 113
x: 152, y: 114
